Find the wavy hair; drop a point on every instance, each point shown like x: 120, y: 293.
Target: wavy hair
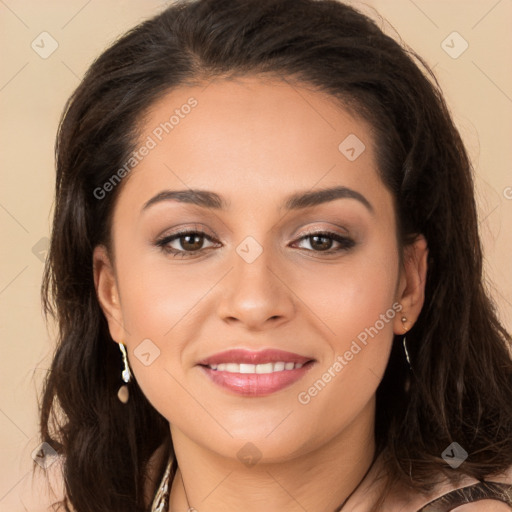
x: 461, y: 383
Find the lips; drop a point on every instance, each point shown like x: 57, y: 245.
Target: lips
x: 241, y: 356
x: 250, y: 373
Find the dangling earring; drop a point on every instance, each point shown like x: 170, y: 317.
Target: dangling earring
x: 407, y: 384
x: 123, y: 394
x: 407, y: 353
x: 404, y: 319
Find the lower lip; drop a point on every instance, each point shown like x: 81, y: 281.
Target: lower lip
x: 256, y: 384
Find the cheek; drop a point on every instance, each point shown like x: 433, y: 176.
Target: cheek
x: 352, y: 295
x: 157, y: 301
x: 357, y: 304
x: 158, y: 293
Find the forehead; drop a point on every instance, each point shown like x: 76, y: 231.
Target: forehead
x: 252, y: 137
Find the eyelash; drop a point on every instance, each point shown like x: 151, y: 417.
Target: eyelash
x: 346, y: 243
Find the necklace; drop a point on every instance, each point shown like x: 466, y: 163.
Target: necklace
x: 161, y: 501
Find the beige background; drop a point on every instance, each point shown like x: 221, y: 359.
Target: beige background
x: 33, y: 90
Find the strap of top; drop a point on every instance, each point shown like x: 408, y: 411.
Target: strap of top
x: 481, y: 491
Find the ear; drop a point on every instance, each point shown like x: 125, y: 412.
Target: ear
x: 411, y: 286
x: 107, y: 292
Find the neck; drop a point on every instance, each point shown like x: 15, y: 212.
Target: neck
x: 320, y: 480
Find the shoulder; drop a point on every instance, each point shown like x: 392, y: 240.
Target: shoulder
x: 484, y: 506
x: 402, y: 498
x: 406, y: 500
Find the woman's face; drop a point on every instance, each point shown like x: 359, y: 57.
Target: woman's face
x: 255, y: 278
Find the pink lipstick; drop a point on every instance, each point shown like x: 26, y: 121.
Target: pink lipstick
x: 251, y: 373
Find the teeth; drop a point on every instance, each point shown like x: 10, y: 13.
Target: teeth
x: 264, y: 368
x: 255, y: 368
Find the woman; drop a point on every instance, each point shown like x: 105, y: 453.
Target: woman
x: 266, y: 268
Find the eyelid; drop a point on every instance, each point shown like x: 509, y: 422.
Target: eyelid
x: 344, y: 240
x: 187, y: 228
x: 314, y: 231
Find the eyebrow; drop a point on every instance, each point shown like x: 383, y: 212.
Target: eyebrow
x: 296, y: 201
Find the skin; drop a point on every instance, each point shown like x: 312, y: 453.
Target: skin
x: 255, y: 142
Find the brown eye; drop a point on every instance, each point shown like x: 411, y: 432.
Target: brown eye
x: 192, y: 242
x: 320, y: 242
x: 323, y: 242
x: 184, y: 242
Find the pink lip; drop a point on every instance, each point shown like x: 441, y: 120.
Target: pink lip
x: 254, y: 384
x: 238, y: 355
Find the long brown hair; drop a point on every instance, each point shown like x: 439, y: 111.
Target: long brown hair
x: 461, y: 385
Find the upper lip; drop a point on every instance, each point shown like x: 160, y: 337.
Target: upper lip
x: 244, y: 356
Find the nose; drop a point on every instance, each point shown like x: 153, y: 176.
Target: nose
x: 256, y: 293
